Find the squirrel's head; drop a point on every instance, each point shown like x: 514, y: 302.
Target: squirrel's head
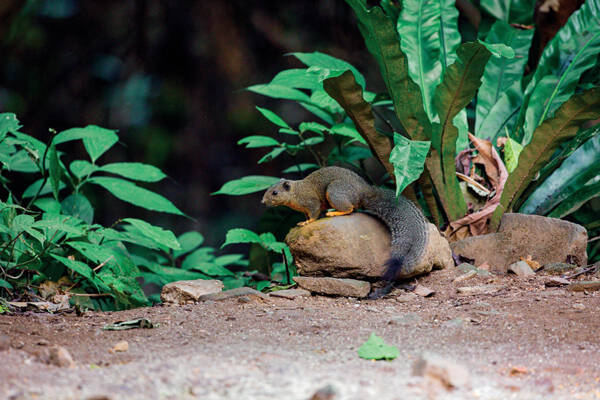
x: 278, y: 194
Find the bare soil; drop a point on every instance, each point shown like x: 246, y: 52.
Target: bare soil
x: 525, y: 341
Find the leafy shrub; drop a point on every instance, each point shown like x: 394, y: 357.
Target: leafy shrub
x: 48, y: 233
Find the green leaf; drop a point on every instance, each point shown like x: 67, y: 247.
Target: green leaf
x: 300, y: 168
x: 311, y: 141
x: 550, y: 134
x: 408, y: 159
x: 58, y: 224
x: 169, y: 274
x: 47, y: 204
x: 78, y: 206
x: 297, y: 78
x: 131, y: 193
x: 4, y: 283
x: 76, y: 266
x: 383, y: 42
x: 203, y: 254
x: 502, y: 115
x: 96, y: 140
x: 156, y: 233
x: 240, y: 235
x: 229, y: 259
x: 321, y: 60
x: 376, y: 349
x: 95, y: 253
x: 576, y: 200
x: 188, y: 241
x: 499, y: 50
x: 279, y: 92
x: 312, y: 127
x: 134, y: 170
x: 502, y: 77
x: 512, y: 149
x: 419, y: 28
x: 21, y: 162
x: 247, y: 184
x: 82, y: 168
x: 510, y: 11
x: 319, y: 112
x: 209, y: 268
x: 32, y: 189
x: 325, y: 102
x: 457, y: 89
x: 567, y: 56
x: 348, y: 130
x: 256, y: 141
x: 274, y: 118
x: 574, y: 173
x: 54, y: 170
x: 345, y: 90
x: 272, y: 154
x: 9, y: 123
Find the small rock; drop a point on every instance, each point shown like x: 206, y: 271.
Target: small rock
x: 438, y: 370
x: 237, y: 292
x: 325, y: 393
x: 556, y: 281
x: 4, y: 342
x: 408, y: 319
x: 578, y: 306
x: 334, y: 286
x: 181, y: 292
x: 43, y: 342
x: 521, y: 268
x: 479, y: 289
x: 18, y: 344
x: 406, y: 298
x: 60, y: 357
x: 290, y: 293
x: 558, y: 268
x: 423, y: 291
x: 464, y: 277
x: 120, y: 347
x: 584, y: 286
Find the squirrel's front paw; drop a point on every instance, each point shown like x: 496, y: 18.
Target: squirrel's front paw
x: 308, y: 221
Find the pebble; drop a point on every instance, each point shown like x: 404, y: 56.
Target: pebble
x: 60, y: 357
x: 423, y: 291
x: 480, y: 289
x: 578, y: 306
x: 438, y: 370
x: 466, y: 276
x: 122, y: 346
x: 521, y: 268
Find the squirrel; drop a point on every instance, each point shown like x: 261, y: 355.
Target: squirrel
x: 346, y: 191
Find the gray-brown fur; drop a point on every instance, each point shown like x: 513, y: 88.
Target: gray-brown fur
x: 345, y: 191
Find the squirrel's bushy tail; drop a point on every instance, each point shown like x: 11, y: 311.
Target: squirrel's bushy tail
x: 408, y: 229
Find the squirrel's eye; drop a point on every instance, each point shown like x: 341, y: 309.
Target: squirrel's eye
x: 274, y: 192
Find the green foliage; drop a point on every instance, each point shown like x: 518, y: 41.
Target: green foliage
x: 49, y: 232
x: 376, y: 349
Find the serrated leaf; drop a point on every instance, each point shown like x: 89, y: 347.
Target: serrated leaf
x: 32, y: 189
x: 78, y: 206
x: 135, y: 171
x: 21, y: 162
x: 95, y: 253
x: 318, y: 59
x: 75, y: 266
x: 9, y: 123
x: 408, y: 158
x: 240, y: 235
x: 56, y: 224
x: 256, y: 141
x: 131, y: 193
x: 188, y: 242
x: 247, y: 184
x: 512, y: 149
x: 376, y: 349
x: 156, y: 233
x: 550, y: 134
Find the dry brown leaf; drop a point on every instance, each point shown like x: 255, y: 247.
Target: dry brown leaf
x: 532, y: 263
x: 518, y: 370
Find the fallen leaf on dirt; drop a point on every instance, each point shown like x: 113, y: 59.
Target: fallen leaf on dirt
x: 423, y: 291
x: 556, y: 281
x: 120, y: 347
x: 518, y: 370
x: 582, y: 286
x: 376, y: 349
x: 464, y: 277
x: 481, y: 289
x: 131, y: 324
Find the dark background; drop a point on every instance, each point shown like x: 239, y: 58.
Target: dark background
x: 170, y: 76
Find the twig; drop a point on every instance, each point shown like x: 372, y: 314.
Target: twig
x: 583, y: 271
x: 287, y: 267
x: 103, y: 263
x: 89, y: 294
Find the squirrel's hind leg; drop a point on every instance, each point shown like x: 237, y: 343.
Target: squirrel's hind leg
x: 341, y: 197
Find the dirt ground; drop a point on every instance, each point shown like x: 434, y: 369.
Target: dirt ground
x: 525, y: 341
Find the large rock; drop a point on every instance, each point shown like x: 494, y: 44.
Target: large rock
x: 181, y: 292
x: 545, y: 239
x: 356, y: 246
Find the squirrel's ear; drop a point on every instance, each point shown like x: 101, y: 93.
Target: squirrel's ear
x: 286, y: 185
